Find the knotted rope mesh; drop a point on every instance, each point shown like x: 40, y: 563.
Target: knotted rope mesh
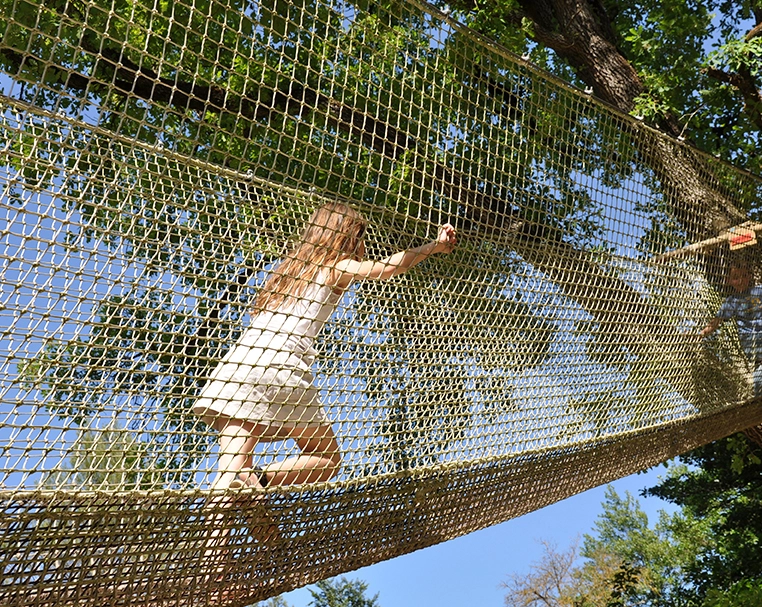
x: 157, y: 159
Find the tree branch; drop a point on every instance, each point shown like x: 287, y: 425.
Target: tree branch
x: 745, y: 83
x: 227, y: 297
x: 754, y: 32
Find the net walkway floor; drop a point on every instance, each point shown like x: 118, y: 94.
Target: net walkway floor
x: 130, y: 549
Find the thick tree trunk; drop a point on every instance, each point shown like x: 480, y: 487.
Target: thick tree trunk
x: 580, y: 32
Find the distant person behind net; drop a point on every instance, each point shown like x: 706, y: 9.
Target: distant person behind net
x: 744, y: 305
x: 263, y: 389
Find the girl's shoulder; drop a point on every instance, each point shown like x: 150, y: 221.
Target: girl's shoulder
x: 331, y: 275
x: 344, y: 272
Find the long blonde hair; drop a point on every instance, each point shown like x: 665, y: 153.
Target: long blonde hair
x: 335, y: 231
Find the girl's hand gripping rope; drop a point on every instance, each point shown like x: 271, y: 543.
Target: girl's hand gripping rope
x: 446, y: 239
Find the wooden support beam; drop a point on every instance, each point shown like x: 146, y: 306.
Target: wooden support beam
x: 737, y: 237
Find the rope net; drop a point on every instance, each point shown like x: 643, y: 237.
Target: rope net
x: 156, y: 161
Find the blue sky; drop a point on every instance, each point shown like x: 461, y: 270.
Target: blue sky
x: 467, y: 571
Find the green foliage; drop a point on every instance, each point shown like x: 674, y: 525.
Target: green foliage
x: 430, y: 413
x: 378, y: 102
x: 720, y: 486
x: 643, y: 562
x: 273, y: 602
x: 342, y: 592
x: 743, y: 454
x: 132, y: 345
x: 744, y: 593
x: 669, y: 45
x: 623, y: 584
x: 705, y: 554
x: 736, y: 55
x: 276, y: 93
x: 665, y: 40
x: 111, y: 459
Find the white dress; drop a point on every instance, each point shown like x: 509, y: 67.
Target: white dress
x: 266, y: 378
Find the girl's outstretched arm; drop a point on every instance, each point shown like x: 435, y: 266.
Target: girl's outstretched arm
x: 346, y: 271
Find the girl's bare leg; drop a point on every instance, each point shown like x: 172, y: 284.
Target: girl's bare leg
x: 319, y: 459
x: 237, y: 441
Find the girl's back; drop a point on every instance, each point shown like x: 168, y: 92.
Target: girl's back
x: 295, y: 324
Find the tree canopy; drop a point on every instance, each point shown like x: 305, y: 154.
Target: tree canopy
x: 165, y: 131
x: 342, y: 592
x: 704, y: 554
x: 334, y: 592
x: 719, y: 487
x: 692, y: 68
x: 149, y: 137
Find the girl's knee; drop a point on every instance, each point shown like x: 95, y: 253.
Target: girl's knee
x: 327, y: 451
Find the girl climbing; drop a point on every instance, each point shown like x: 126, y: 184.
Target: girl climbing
x: 263, y: 388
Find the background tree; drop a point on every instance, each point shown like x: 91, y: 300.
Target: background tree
x: 549, y: 582
x: 718, y: 486
x: 692, y: 69
x: 702, y: 555
x: 102, y: 460
x: 342, y: 592
x: 273, y: 602
x: 622, y: 562
x: 334, y: 592
x: 635, y: 563
x: 249, y: 96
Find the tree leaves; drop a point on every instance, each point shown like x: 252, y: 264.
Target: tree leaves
x: 342, y: 592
